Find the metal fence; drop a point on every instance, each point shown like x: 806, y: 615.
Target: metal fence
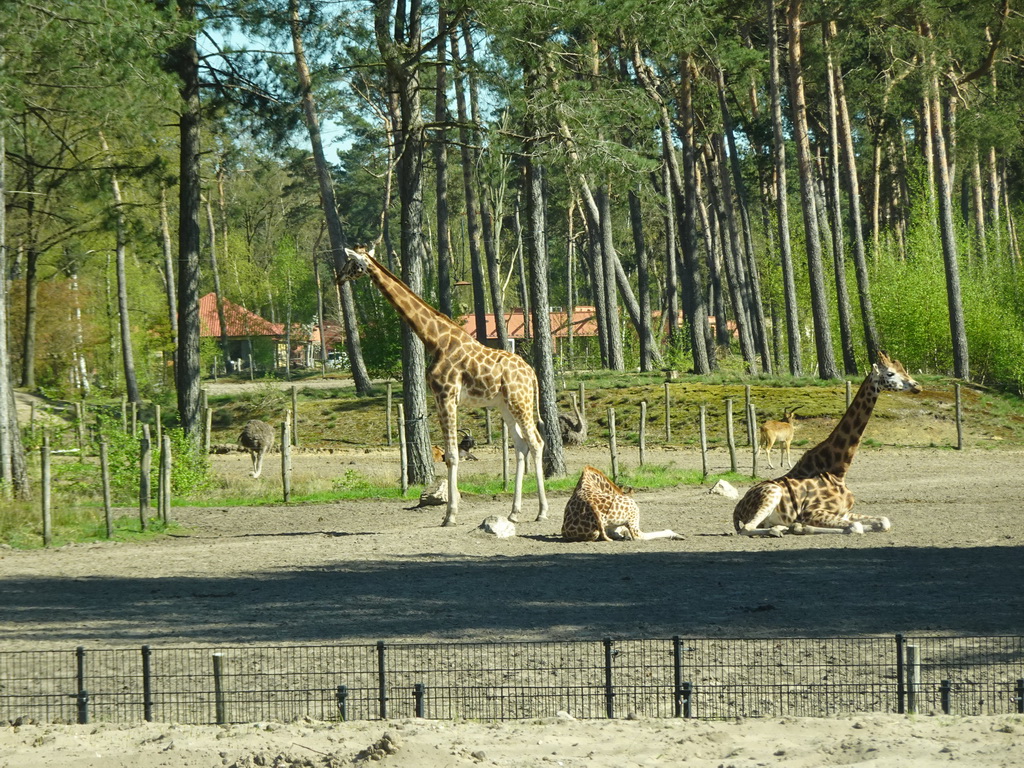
x: 659, y: 678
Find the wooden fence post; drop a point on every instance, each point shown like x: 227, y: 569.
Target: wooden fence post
x: 752, y: 419
x: 44, y: 466
x: 108, y: 515
x: 403, y: 462
x: 643, y: 431
x: 748, y: 410
x: 504, y: 455
x: 959, y: 419
x: 295, y: 416
x: 286, y: 459
x: 166, y: 476
x: 668, y: 419
x: 145, y: 465
x: 207, y: 428
x: 612, y: 446
x: 388, y: 416
x: 704, y: 439
x: 730, y: 434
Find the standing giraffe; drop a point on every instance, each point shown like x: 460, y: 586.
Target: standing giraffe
x: 812, y: 497
x: 464, y: 371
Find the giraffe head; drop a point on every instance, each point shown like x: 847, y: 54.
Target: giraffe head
x: 891, y: 375
x: 355, y: 265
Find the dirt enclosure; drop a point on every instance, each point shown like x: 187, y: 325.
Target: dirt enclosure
x: 370, y: 570
x: 363, y: 571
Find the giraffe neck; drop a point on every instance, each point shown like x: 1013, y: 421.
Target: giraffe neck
x: 845, y: 438
x: 431, y: 326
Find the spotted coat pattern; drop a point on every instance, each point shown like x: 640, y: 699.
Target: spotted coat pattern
x: 464, y: 371
x: 596, y: 505
x: 812, y: 497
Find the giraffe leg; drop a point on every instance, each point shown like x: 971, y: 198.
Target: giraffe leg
x: 599, y: 526
x: 870, y: 521
x: 448, y: 417
x: 521, y: 447
x: 822, y: 521
x: 527, y: 440
x: 757, y: 512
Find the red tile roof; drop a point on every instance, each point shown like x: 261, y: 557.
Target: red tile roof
x: 240, y: 321
x: 584, y: 323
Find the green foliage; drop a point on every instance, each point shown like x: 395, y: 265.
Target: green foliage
x: 190, y: 466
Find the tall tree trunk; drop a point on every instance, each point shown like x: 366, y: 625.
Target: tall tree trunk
x: 187, y: 368
x: 994, y: 198
x: 947, y: 233
x: 860, y: 261
x: 536, y: 255
x: 755, y: 309
x: 834, y: 196
x: 978, y: 208
x: 487, y: 222
x: 819, y: 307
x: 715, y: 260
x: 611, y: 294
x: 28, y: 345
x: 469, y: 189
x: 444, y: 256
x: 131, y: 383
x: 168, y: 252
x: 680, y: 205
x: 670, y: 305
x: 720, y: 188
x: 217, y: 295
x: 647, y: 344
x: 335, y: 229
x: 13, y: 471
x: 782, y: 201
x: 399, y: 51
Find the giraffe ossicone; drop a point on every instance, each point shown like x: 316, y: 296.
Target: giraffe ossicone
x: 464, y: 371
x: 812, y: 497
x: 600, y: 510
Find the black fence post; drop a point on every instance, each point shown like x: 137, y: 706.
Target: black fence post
x: 609, y: 690
x: 1020, y: 695
x: 147, y: 684
x: 419, y: 692
x: 945, y: 688
x: 687, y: 693
x: 901, y: 687
x: 341, y: 695
x: 677, y: 674
x: 382, y: 688
x: 220, y: 710
x: 82, y: 697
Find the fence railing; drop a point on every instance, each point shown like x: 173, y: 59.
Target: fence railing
x: 706, y: 678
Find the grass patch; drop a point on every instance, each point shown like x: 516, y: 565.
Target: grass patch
x: 21, y: 525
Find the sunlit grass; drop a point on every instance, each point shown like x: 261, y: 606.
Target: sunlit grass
x: 21, y: 524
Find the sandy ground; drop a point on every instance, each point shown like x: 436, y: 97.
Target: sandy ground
x: 369, y: 570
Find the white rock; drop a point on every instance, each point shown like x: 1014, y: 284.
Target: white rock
x: 722, y: 488
x: 498, y: 526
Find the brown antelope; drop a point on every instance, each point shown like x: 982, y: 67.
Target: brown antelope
x: 782, y: 431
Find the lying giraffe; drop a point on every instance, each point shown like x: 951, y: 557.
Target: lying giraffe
x: 812, y: 497
x: 598, y: 507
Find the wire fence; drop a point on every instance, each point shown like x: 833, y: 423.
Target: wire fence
x: 709, y: 678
